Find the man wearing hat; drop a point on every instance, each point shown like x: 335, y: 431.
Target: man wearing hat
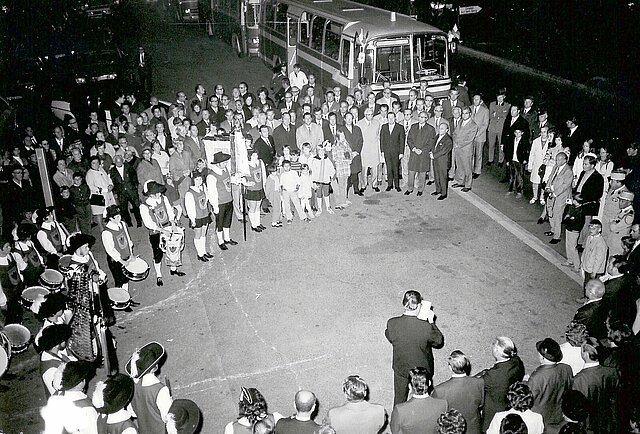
x: 220, y: 198
x: 71, y: 410
x: 151, y: 399
x: 184, y: 417
x: 158, y: 217
x: 620, y: 226
x: 609, y: 208
x: 111, y: 398
x: 548, y: 383
x: 53, y: 344
x: 117, y: 244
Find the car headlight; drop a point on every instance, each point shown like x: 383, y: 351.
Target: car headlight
x: 81, y: 80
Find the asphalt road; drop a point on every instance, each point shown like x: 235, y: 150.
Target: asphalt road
x: 306, y: 305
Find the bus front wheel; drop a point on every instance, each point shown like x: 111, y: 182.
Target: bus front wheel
x: 235, y: 43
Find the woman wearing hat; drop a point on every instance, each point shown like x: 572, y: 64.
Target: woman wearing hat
x: 101, y: 187
x: 221, y: 199
x: 53, y: 343
x: 52, y: 236
x: 197, y: 208
x: 252, y: 408
x: 25, y: 247
x: 180, y: 166
x: 111, y: 398
x: 118, y: 245
x: 158, y: 217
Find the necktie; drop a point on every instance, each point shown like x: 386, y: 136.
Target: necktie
x: 333, y: 131
x: 476, y: 111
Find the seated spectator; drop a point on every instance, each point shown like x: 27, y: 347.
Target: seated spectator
x: 252, y: 409
x: 520, y: 400
x: 421, y: 412
x: 452, y: 422
x: 301, y: 422
x: 357, y: 415
x: 462, y: 392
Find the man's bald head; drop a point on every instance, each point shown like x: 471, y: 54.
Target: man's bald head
x: 305, y: 401
x: 594, y: 289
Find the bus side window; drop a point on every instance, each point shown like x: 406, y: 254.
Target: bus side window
x: 270, y: 14
x: 332, y: 41
x: 280, y: 24
x: 303, y: 36
x: 346, y: 55
x: 293, y: 31
x: 317, y: 30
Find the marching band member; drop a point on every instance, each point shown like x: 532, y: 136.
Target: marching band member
x: 158, y: 215
x: 197, y: 209
x: 11, y: 284
x: 219, y: 191
x: 52, y: 309
x: 53, y: 344
x: 28, y: 251
x: 117, y: 244
x: 52, y: 236
x: 254, y: 193
x: 111, y: 398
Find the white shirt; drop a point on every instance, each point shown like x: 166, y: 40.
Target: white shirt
x: 572, y: 356
x: 190, y: 201
x: 516, y: 142
x: 109, y: 243
x: 44, y: 241
x: 298, y: 79
x: 290, y: 180
x: 145, y: 212
x: 61, y: 413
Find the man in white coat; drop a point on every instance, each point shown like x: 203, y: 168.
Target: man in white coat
x: 479, y: 115
x: 371, y: 157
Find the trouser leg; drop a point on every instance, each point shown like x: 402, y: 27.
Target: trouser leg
x: 571, y: 246
x: 478, y: 147
x: 400, y: 388
x: 492, y: 146
x: 422, y: 180
x: 411, y: 180
x: 453, y: 169
x: 286, y: 203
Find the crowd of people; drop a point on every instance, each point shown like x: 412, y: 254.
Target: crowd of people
x: 310, y: 150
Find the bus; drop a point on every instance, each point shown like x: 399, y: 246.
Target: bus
x: 341, y: 42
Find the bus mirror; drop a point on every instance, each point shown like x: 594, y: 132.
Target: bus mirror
x: 361, y: 58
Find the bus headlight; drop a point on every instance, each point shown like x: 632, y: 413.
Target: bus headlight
x: 255, y: 41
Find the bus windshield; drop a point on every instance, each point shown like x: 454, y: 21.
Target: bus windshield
x: 393, y: 60
x: 430, y: 54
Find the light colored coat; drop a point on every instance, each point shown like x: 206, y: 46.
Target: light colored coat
x: 371, y: 155
x: 314, y: 137
x: 536, y: 159
x: 482, y: 121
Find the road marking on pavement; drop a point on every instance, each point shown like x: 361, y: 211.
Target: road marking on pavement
x: 520, y: 233
x: 242, y: 375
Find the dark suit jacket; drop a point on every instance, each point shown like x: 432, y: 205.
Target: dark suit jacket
x: 522, y: 152
x: 423, y: 139
x: 412, y: 341
x: 202, y: 127
x: 442, y: 151
x: 124, y: 187
x: 497, y: 380
x: 392, y: 144
x: 264, y: 150
x: 574, y: 142
x: 417, y: 416
x: 294, y: 107
x: 282, y: 138
x: 328, y: 135
x: 591, y: 192
x: 593, y: 315
x: 465, y: 394
x: 355, y: 139
x: 508, y: 130
x: 548, y: 383
x: 600, y: 385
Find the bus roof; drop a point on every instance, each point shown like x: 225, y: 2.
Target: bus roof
x: 373, y: 22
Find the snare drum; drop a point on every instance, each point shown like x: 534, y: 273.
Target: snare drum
x: 120, y: 299
x: 64, y: 264
x: 137, y: 269
x: 5, y: 353
x: 29, y: 295
x: 52, y: 279
x: 19, y: 336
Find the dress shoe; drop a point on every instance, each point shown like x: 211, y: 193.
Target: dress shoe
x: 208, y: 256
x: 233, y: 243
x: 138, y: 225
x: 500, y: 164
x: 266, y: 210
x: 555, y: 241
x: 262, y: 227
x: 466, y: 189
x: 442, y: 197
x: 223, y: 247
x: 203, y: 258
x: 540, y: 220
x: 276, y: 225
x: 456, y: 185
x: 419, y: 193
x: 567, y: 264
x: 362, y: 190
x: 388, y: 189
x: 398, y: 189
x: 407, y: 193
x: 476, y: 175
x: 430, y: 183
x: 435, y: 193
x: 376, y: 189
x: 257, y: 229
x: 159, y: 281
x: 549, y: 233
x: 489, y: 163
x: 177, y: 273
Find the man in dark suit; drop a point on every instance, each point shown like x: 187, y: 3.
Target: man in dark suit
x: 125, y: 189
x: 329, y: 131
x: 548, y: 384
x: 412, y: 339
x: 392, y: 139
x: 144, y: 69
x: 513, y: 122
x: 206, y: 124
x: 588, y: 193
x: 462, y: 392
x: 353, y: 135
x: 529, y: 114
x: 516, y: 154
x: 264, y: 146
x: 284, y: 135
x: 600, y: 385
x: 507, y: 370
x: 420, y: 140
x: 419, y: 414
x: 575, y: 136
x: 593, y: 313
x: 441, y: 157
x: 288, y: 104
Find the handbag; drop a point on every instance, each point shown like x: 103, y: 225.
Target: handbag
x: 96, y: 200
x: 541, y: 171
